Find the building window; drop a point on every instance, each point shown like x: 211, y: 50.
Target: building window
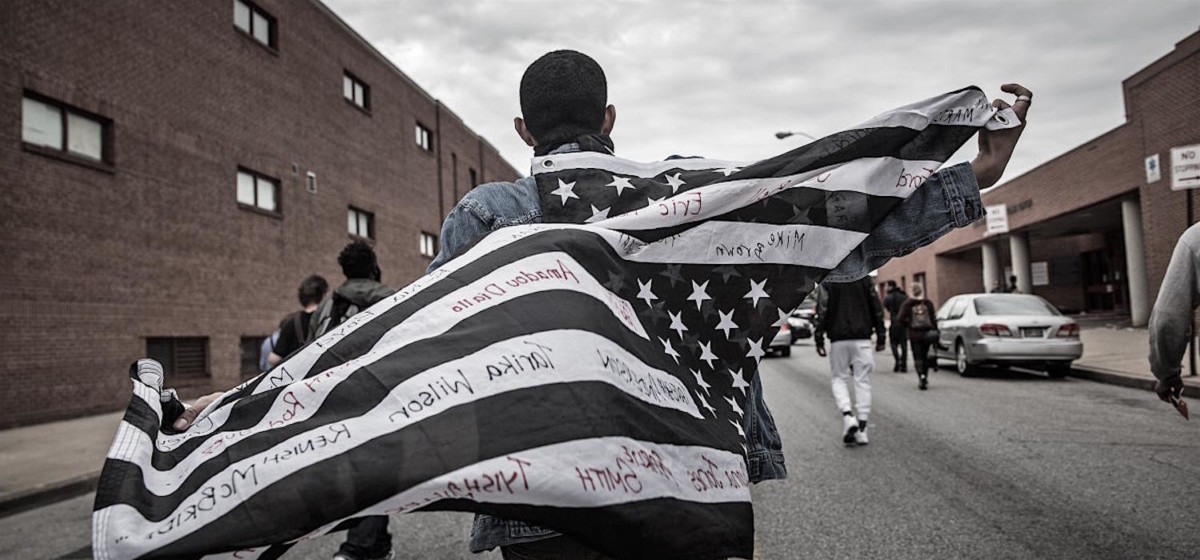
x: 53, y: 126
x: 181, y: 357
x: 428, y: 245
x: 255, y: 22
x: 356, y: 92
x: 474, y: 177
x: 424, y: 138
x: 311, y: 182
x: 361, y: 223
x: 919, y: 278
x: 255, y: 190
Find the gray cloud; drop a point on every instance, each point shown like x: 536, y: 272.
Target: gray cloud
x: 718, y: 78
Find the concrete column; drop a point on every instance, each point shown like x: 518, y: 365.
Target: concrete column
x: 993, y: 273
x: 1018, y: 245
x: 1135, y: 262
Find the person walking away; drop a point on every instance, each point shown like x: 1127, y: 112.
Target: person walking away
x: 848, y: 313
x: 896, y: 336
x: 294, y: 328
x: 917, y: 318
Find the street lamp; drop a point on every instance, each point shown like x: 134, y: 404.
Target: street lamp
x: 784, y: 134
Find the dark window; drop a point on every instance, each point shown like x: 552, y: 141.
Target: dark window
x: 311, y: 182
x: 919, y: 278
x: 360, y: 223
x: 428, y: 245
x: 256, y: 190
x: 356, y: 91
x: 181, y: 357
x: 424, y: 138
x: 255, y: 22
x: 52, y: 126
x: 474, y: 177
x: 251, y: 346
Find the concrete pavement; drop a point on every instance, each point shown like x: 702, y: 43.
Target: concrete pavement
x: 49, y: 462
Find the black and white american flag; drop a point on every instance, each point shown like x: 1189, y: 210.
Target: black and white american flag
x: 588, y: 374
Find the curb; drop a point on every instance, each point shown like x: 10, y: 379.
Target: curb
x: 49, y: 493
x: 1113, y: 377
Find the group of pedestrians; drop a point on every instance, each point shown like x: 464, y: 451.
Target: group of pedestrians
x: 847, y: 313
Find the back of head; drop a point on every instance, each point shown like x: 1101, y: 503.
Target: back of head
x: 312, y: 290
x: 563, y: 96
x: 358, y: 261
x: 918, y: 291
x: 891, y: 284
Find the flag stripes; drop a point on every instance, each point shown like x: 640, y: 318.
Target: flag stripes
x: 588, y: 378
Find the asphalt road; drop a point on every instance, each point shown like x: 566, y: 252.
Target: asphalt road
x: 1009, y: 464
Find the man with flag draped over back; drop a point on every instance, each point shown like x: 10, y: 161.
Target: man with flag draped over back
x: 472, y: 389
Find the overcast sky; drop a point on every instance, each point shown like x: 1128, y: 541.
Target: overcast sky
x: 718, y: 79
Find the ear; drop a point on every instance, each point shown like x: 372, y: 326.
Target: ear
x: 519, y: 125
x: 610, y: 118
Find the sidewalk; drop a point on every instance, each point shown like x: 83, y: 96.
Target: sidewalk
x: 49, y: 462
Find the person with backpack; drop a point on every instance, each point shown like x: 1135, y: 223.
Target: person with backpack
x: 917, y: 317
x: 294, y: 328
x: 896, y: 338
x: 848, y: 313
x: 368, y: 538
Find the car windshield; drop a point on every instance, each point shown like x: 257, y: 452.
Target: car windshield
x: 1013, y: 305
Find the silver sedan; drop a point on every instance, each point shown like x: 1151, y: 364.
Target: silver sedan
x: 1007, y: 329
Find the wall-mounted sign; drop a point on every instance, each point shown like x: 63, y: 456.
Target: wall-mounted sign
x: 1041, y: 273
x: 1153, y: 171
x: 1185, y: 167
x: 997, y: 219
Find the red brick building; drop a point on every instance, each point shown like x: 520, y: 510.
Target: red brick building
x: 1093, y: 229
x: 171, y: 171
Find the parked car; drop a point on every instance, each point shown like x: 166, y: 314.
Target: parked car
x: 782, y: 342
x: 1006, y: 329
x: 801, y: 327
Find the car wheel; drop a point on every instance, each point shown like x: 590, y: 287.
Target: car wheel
x: 1058, y: 370
x: 961, y: 365
x: 785, y: 351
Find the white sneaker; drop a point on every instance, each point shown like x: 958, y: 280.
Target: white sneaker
x: 849, y: 429
x: 860, y: 437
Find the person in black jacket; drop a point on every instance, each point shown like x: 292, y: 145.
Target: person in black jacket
x: 896, y: 339
x: 918, y: 318
x: 847, y: 313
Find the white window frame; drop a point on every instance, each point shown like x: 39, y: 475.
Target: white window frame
x: 428, y: 244
x: 358, y: 219
x: 257, y: 182
x: 260, y: 25
x: 424, y: 137
x: 69, y: 119
x: 355, y: 91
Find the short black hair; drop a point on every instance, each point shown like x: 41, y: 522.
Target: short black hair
x: 891, y: 283
x: 312, y: 290
x: 563, y: 96
x: 358, y: 260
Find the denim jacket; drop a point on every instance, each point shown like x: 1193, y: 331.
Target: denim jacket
x: 949, y: 199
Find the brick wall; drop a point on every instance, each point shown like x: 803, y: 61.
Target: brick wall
x: 97, y: 261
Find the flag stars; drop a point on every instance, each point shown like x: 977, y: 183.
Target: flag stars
x: 756, y: 349
x: 739, y: 382
x: 706, y: 354
x: 597, y: 214
x: 565, y: 190
x: 757, y: 292
x: 701, y: 382
x: 645, y: 293
x: 675, y: 182
x: 704, y: 402
x: 700, y: 293
x: 734, y: 405
x: 783, y: 317
x: 737, y: 425
x: 677, y: 323
x: 620, y: 183
x: 728, y: 170
x: 669, y: 350
x: 726, y: 322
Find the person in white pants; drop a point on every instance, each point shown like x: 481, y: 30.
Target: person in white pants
x: 847, y: 314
